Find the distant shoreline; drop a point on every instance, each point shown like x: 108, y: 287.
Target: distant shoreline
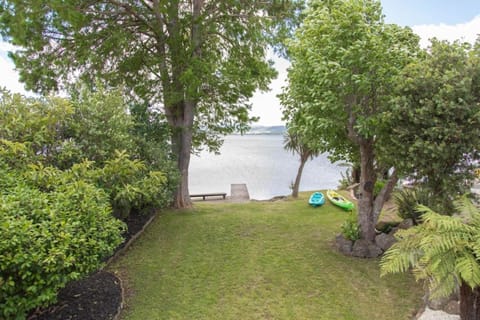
x: 264, y: 130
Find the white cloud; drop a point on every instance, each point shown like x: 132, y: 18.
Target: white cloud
x: 8, y: 75
x: 5, y: 46
x: 467, y: 31
x: 266, y: 104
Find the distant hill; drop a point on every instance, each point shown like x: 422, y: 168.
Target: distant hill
x: 267, y: 130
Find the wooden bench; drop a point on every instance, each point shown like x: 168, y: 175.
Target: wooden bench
x: 204, y: 195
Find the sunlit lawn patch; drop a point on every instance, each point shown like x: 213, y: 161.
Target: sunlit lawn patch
x: 260, y: 260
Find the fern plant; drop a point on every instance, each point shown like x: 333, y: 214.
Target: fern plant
x: 444, y: 251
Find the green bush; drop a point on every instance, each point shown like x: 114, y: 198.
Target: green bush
x: 48, y: 238
x: 132, y: 186
x: 408, y: 199
x: 350, y: 228
x: 379, y: 184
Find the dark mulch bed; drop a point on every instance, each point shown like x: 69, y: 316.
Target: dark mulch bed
x: 97, y: 297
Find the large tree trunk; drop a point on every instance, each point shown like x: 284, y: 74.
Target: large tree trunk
x: 180, y: 115
x: 469, y: 302
x: 296, y: 185
x: 369, y: 208
x: 182, y: 137
x: 368, y: 178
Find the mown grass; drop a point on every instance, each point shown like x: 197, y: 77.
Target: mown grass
x: 259, y: 260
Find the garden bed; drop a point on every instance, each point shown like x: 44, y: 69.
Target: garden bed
x: 98, y: 296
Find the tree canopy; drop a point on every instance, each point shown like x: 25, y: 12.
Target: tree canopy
x: 433, y: 127
x: 345, y: 61
x: 198, y: 61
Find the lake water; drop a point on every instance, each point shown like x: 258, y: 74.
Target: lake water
x: 262, y: 164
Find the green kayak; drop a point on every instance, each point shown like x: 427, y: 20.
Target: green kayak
x: 339, y: 200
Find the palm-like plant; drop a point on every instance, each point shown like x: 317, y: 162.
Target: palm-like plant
x: 295, y: 143
x: 445, y: 252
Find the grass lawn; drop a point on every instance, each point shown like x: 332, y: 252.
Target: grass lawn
x: 259, y: 260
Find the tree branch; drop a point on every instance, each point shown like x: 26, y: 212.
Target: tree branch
x: 384, y: 194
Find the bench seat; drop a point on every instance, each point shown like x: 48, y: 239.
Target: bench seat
x: 205, y: 195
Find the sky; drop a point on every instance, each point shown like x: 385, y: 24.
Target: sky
x: 443, y: 19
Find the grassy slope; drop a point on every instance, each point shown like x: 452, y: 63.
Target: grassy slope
x: 269, y: 260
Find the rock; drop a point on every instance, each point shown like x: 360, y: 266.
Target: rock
x: 384, y: 241
x: 429, y: 314
x: 441, y: 303
x: 386, y: 226
x: 374, y: 251
x: 452, y: 307
x: 343, y: 245
x: 405, y: 224
x: 360, y: 249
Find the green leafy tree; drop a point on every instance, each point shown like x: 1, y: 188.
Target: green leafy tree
x: 433, y: 126
x: 345, y: 61
x: 445, y: 252
x: 199, y: 61
x: 293, y: 142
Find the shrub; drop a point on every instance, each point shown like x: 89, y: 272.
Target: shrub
x: 407, y: 201
x: 100, y: 124
x: 48, y: 238
x: 379, y: 184
x: 128, y: 183
x: 132, y: 186
x: 350, y: 228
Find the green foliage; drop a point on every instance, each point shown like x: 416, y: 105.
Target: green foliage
x: 54, y: 227
x: 213, y: 54
x: 200, y: 61
x: 40, y: 122
x: 345, y: 63
x: 444, y: 251
x: 294, y: 142
x: 408, y: 200
x: 379, y: 184
x: 100, y: 124
x: 150, y: 132
x: 83, y: 135
x: 62, y: 132
x: 350, y: 228
x: 433, y: 128
x: 131, y: 186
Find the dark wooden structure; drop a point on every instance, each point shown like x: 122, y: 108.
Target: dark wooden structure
x: 205, y: 195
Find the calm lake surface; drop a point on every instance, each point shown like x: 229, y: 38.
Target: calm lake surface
x: 262, y: 164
